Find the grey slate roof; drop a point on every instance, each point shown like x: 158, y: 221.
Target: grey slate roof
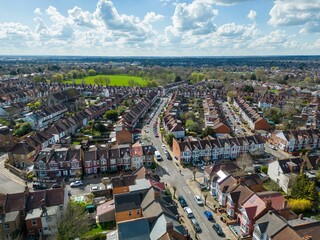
x: 127, y: 201
x: 137, y: 229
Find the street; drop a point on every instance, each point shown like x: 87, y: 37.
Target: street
x: 171, y: 175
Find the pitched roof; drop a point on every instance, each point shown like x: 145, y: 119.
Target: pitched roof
x: 138, y: 229
x: 271, y: 223
x: 127, y: 201
x: 286, y: 233
x: 123, y: 181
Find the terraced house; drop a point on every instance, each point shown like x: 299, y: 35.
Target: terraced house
x: 208, y: 150
x: 250, y: 115
x: 294, y: 141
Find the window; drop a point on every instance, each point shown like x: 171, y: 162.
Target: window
x: 34, y: 222
x: 6, y: 226
x: 130, y: 213
x: 138, y: 212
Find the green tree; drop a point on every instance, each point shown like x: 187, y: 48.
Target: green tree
x: 111, y: 115
x: 177, y: 78
x: 121, y: 110
x: 264, y: 169
x: 73, y: 224
x: 304, y: 188
x: 208, y: 131
x: 106, y: 81
x: 57, y: 77
x: 92, y: 72
x: 22, y: 129
x: 192, y: 125
x: 37, y: 78
x: 169, y: 139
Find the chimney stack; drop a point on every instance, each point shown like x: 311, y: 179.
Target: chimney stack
x: 169, y: 227
x: 285, y: 204
x: 222, y: 167
x: 157, y: 194
x: 268, y: 204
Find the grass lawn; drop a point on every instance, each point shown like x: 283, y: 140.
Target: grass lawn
x: 99, y: 229
x: 274, y: 91
x: 115, y: 80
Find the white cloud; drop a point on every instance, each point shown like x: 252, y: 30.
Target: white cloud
x: 82, y: 18
x: 231, y: 30
x: 252, y: 15
x: 273, y: 40
x: 151, y: 17
x: 228, y: 2
x: 37, y: 11
x: 196, y: 17
x: 296, y: 13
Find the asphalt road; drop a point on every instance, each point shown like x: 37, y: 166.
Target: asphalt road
x: 169, y: 173
x: 236, y: 128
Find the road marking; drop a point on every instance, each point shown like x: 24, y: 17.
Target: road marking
x: 204, y: 225
x: 186, y: 189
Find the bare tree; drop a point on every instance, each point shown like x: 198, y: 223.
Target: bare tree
x: 174, y: 191
x: 194, y: 171
x: 205, y: 195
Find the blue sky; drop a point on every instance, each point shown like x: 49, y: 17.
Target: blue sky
x: 160, y: 27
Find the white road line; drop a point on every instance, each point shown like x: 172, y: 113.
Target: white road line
x: 186, y: 189
x: 204, y: 225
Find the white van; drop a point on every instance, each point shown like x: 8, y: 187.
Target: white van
x: 188, y: 212
x: 157, y: 156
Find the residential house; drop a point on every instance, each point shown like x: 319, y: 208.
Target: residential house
x: 295, y: 141
x: 31, y: 214
x: 268, y: 226
x: 105, y: 212
x: 21, y: 155
x: 235, y: 197
x: 255, y: 207
x: 214, y: 117
x: 5, y: 136
x: 58, y: 162
x: 283, y: 172
x: 127, y: 206
x: 70, y: 98
x: 210, y: 150
x: 250, y: 115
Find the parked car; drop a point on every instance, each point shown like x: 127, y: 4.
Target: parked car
x: 76, y: 184
x: 39, y: 186
x: 272, y: 147
x: 182, y: 201
x: 208, y: 215
x: 198, y: 200
x: 202, y: 186
x: 95, y: 188
x: 188, y: 212
x: 218, y: 229
x: 56, y: 185
x: 168, y: 156
x: 263, y: 176
x: 195, y: 225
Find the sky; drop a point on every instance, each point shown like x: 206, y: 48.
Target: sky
x: 160, y: 27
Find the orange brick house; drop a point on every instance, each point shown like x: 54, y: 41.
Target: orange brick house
x: 128, y: 206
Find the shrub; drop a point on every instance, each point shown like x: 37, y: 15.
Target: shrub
x: 300, y: 205
x: 264, y: 169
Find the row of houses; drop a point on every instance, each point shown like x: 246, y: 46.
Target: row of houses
x: 296, y: 140
x: 143, y: 211
x: 170, y: 121
x: 250, y: 115
x: 132, y: 117
x: 253, y: 212
x: 214, y: 117
x: 25, y: 215
x: 69, y: 161
x: 22, y: 153
x: 209, y: 150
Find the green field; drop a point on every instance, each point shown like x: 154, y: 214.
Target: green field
x: 115, y: 80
